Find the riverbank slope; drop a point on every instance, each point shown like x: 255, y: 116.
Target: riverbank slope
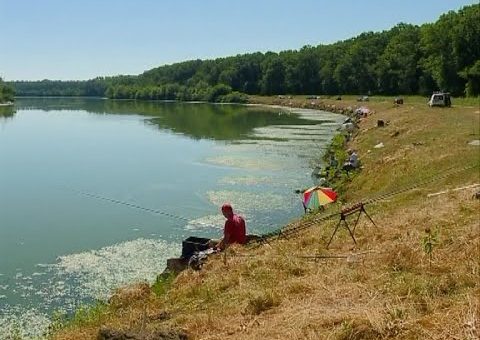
x: 414, y: 276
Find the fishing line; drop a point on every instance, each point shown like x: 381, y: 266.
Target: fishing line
x: 279, y: 233
x: 139, y: 207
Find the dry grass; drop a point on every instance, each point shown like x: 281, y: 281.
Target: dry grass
x: 388, y: 290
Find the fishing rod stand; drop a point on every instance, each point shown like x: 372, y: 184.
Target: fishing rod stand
x: 357, y: 208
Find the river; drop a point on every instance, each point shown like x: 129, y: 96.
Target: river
x: 96, y: 194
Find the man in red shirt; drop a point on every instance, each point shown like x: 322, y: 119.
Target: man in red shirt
x: 234, y: 230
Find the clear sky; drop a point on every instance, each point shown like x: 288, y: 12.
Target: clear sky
x: 82, y: 39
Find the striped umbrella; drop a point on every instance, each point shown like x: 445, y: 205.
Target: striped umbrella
x: 315, y: 197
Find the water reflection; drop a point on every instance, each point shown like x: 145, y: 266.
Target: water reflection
x: 196, y: 120
x: 7, y: 111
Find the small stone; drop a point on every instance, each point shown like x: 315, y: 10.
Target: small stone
x: 475, y: 142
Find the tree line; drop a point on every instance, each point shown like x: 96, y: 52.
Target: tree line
x: 6, y: 92
x: 407, y: 59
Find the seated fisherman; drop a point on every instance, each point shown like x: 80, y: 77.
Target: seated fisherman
x: 234, y: 230
x: 352, y: 162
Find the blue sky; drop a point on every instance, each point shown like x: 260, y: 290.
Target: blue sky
x: 73, y: 39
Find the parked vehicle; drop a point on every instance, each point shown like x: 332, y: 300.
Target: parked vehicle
x: 440, y: 99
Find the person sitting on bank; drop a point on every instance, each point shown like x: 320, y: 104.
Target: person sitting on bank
x: 352, y: 162
x: 234, y: 230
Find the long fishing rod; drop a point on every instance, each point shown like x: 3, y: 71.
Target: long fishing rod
x: 136, y: 206
x: 285, y: 233
x: 429, y: 180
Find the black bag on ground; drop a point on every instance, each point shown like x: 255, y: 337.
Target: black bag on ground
x: 193, y: 244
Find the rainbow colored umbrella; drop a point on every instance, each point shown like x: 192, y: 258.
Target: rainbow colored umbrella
x: 316, y: 197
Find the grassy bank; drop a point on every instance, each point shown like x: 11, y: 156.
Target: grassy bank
x: 415, y: 276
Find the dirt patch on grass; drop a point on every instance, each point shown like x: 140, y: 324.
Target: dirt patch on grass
x: 111, y: 334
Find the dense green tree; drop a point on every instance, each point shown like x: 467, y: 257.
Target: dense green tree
x: 273, y: 78
x: 329, y: 56
x: 308, y: 70
x: 397, y: 68
x: 355, y: 72
x: 292, y: 81
x: 450, y: 46
x: 472, y: 75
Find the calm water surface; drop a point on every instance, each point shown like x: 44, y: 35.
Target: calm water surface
x: 61, y: 244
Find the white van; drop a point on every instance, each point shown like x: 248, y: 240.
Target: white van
x: 440, y: 99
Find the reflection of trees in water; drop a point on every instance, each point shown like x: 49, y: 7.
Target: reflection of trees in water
x: 196, y: 120
x: 7, y: 111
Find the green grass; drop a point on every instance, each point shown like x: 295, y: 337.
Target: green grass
x: 163, y: 283
x: 84, y: 315
x: 262, y: 302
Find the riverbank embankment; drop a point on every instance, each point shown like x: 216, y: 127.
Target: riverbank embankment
x: 415, y: 275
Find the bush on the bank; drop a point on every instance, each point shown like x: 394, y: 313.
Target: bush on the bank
x: 217, y: 92
x: 234, y: 97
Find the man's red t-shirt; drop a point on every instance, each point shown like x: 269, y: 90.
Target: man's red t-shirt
x: 235, y: 229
